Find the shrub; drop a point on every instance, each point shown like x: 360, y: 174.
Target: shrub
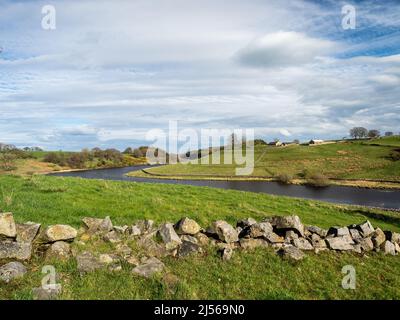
x: 56, y: 158
x: 395, y: 155
x: 284, y: 178
x: 7, y: 161
x: 315, y: 179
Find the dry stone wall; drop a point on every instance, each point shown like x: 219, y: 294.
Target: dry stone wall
x: 285, y: 234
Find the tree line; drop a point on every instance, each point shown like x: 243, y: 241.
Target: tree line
x: 9, y: 155
x: 95, y: 157
x: 361, y: 132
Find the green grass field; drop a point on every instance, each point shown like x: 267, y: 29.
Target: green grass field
x: 393, y: 141
x: 249, y: 275
x: 343, y: 160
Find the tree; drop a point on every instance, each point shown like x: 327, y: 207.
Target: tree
x: 7, y: 161
x: 7, y: 147
x: 56, y: 158
x: 388, y: 134
x: 358, y: 132
x: 128, y: 151
x: 259, y: 142
x: 374, y: 133
x: 76, y: 160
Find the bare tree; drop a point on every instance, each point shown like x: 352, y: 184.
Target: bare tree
x: 374, y: 133
x: 358, y: 132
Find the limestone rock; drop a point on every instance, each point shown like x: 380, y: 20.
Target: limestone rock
x: 121, y: 230
x: 115, y: 267
x: 106, y: 224
x: 397, y: 247
x: 123, y: 250
x: 393, y: 236
x: 27, y: 232
x: 388, y: 248
x: 344, y: 243
x: 7, y: 225
x: 112, y: 237
x: 257, y: 230
x: 169, y: 236
x: 87, y: 262
x: 288, y: 223
x: 59, y: 250
x: 357, y: 248
x: 189, y: 238
x: 188, y: 248
x: 202, y: 239
x: 59, y: 232
x: 366, y: 244
x: 96, y: 225
x: 274, y: 238
x: 15, y: 250
x: 222, y: 245
x: 366, y: 228
x: 11, y: 271
x: 302, y: 244
x: 108, y: 259
x: 290, y: 235
x: 339, y: 231
x: 246, y: 223
x: 250, y: 244
x: 187, y: 226
x: 291, y: 253
x: 317, y: 242
x: 149, y: 267
x: 378, y: 237
x: 135, y: 231
x: 317, y: 230
x: 152, y: 248
x: 226, y: 254
x: 132, y: 260
x: 145, y: 226
x: 355, y: 234
x: 225, y: 231
x: 50, y: 292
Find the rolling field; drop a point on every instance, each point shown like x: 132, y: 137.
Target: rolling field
x: 343, y: 160
x: 249, y: 275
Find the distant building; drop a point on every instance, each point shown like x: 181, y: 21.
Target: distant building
x: 276, y: 144
x: 316, y: 141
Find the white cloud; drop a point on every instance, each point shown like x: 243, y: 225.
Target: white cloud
x: 282, y: 49
x: 106, y: 78
x: 285, y: 132
x: 386, y: 80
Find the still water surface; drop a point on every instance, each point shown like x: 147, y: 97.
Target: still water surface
x: 389, y: 199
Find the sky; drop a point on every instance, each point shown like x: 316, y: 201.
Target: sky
x: 113, y: 70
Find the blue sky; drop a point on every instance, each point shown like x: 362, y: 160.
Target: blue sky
x: 112, y: 70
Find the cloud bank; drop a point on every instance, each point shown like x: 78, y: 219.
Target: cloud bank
x: 111, y: 71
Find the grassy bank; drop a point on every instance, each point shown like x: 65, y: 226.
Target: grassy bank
x: 369, y: 184
x: 250, y: 275
x: 352, y: 160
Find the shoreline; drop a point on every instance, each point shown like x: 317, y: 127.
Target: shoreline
x: 89, y: 169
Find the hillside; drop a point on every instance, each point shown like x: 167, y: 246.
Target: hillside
x: 342, y: 160
x: 258, y: 274
x: 41, y: 162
